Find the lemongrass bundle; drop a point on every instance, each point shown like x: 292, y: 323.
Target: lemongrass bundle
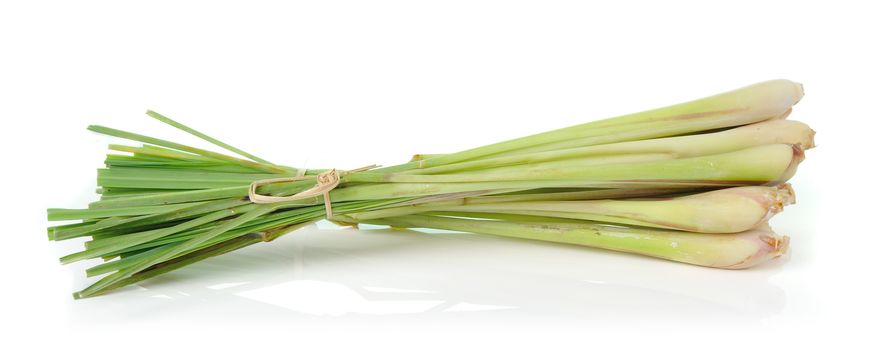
x: 694, y: 182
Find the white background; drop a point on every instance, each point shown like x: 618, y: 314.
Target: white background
x: 345, y: 84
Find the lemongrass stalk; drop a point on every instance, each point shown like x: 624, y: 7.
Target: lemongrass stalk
x: 727, y: 251
x: 562, y: 195
x: 587, y: 142
x: 595, y: 161
x: 728, y: 210
x: 438, y: 202
x: 762, y: 165
x: 774, y: 163
x: 496, y: 216
x: 413, y: 190
x: 762, y: 133
x: 750, y: 104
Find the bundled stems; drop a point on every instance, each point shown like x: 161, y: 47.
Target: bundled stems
x: 694, y: 182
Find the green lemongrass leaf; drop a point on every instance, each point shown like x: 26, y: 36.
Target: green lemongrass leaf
x: 262, y: 223
x: 204, y: 195
x: 203, y: 136
x: 123, y: 191
x: 114, y: 244
x: 178, y: 152
x: 171, y: 197
x: 109, y: 280
x: 61, y: 233
x: 129, y: 259
x: 159, y: 153
x: 269, y: 232
x: 177, y: 263
x: 267, y: 223
x: 173, y: 179
x: 57, y: 214
x: 147, y: 139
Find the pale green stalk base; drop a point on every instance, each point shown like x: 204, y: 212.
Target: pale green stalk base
x: 728, y: 210
x: 764, y: 133
x: 726, y: 251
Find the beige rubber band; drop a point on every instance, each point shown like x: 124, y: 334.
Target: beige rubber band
x: 325, y: 182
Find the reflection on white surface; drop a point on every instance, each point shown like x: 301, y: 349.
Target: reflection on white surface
x: 377, y: 272
x: 394, y: 290
x: 220, y: 286
x: 323, y: 298
x: 475, y: 307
